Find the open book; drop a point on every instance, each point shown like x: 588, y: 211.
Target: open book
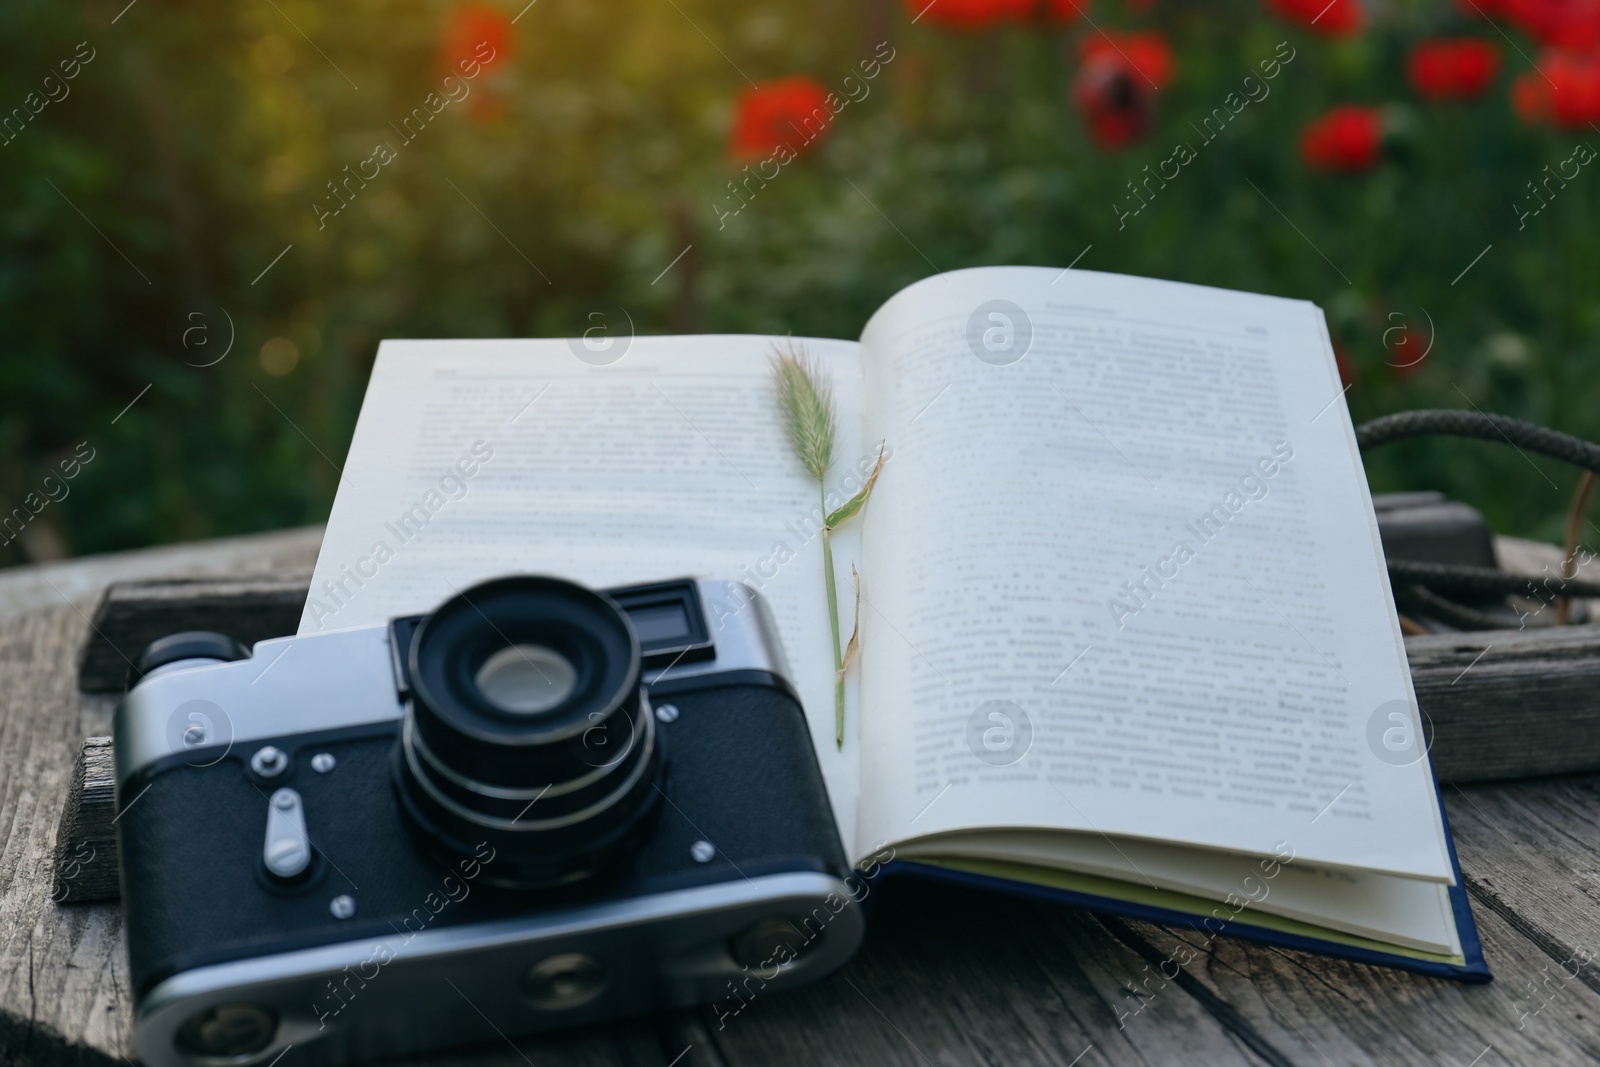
x: 1126, y: 634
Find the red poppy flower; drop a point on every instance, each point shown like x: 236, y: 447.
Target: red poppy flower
x: 1116, y: 84
x: 1062, y: 12
x: 1117, y: 105
x: 1331, y: 18
x: 1530, y: 98
x: 1567, y: 91
x: 1347, y: 139
x: 1453, y: 69
x: 790, y: 112
x: 1405, y: 350
x: 1571, y: 24
x: 968, y: 15
x: 1146, y: 54
x: 475, y: 33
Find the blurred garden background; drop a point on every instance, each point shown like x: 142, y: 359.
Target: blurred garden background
x: 212, y: 214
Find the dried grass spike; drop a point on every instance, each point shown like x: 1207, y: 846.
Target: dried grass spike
x: 805, y: 399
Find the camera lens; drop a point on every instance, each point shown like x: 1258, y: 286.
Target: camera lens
x: 526, y: 679
x: 564, y: 981
x: 777, y: 941
x: 227, y: 1031
x: 527, y: 732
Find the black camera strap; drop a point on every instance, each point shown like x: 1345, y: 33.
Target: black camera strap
x: 1430, y: 588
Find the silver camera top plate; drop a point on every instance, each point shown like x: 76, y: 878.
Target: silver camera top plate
x: 342, y: 678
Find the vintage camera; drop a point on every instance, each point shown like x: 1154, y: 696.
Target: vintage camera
x: 536, y: 807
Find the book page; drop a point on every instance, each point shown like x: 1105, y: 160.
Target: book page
x: 669, y: 462
x: 1400, y: 911
x: 1124, y: 577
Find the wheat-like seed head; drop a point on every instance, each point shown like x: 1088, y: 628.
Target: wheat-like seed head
x: 805, y: 400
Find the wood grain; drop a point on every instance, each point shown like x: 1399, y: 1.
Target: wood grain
x: 1530, y: 864
x: 63, y: 969
x: 1514, y: 703
x: 1510, y: 704
x: 947, y: 977
x: 86, y: 843
x: 1313, y: 1010
x: 1529, y: 852
x: 133, y: 614
x: 951, y: 975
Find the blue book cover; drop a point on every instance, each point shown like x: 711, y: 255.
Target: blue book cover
x: 1111, y: 897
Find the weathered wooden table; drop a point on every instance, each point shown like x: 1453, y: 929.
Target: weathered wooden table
x: 946, y: 977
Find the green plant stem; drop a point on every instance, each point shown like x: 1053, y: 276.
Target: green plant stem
x: 833, y: 620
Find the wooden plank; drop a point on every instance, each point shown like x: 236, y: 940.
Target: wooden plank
x: 626, y: 1044
x: 956, y: 976
x: 1509, y: 704
x: 951, y: 975
x: 1527, y: 852
x: 279, y: 554
x: 133, y: 614
x: 64, y: 988
x: 63, y: 971
x: 86, y: 843
x: 948, y: 976
x: 1529, y: 855
x: 1317, y: 1011
x: 1513, y: 703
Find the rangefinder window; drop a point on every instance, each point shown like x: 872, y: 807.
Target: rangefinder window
x: 668, y: 618
x: 661, y: 623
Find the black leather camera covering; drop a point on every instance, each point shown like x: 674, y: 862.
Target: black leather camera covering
x: 741, y: 773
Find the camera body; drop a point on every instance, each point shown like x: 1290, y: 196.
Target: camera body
x: 536, y: 807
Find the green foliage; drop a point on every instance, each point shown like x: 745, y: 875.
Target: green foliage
x: 197, y: 140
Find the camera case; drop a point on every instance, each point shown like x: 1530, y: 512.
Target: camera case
x: 369, y: 842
